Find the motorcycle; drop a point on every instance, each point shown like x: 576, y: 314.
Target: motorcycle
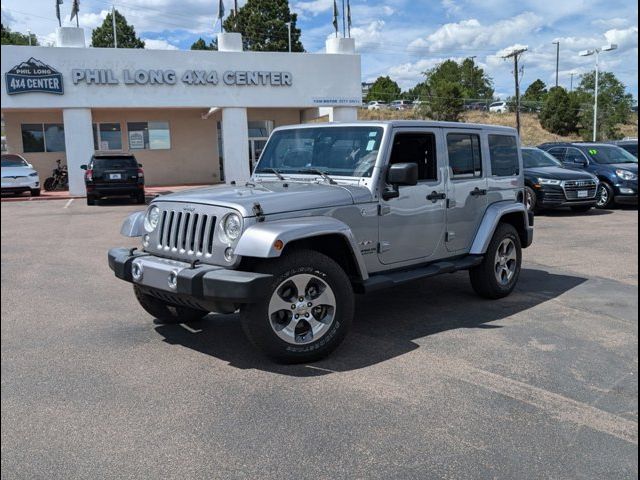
x: 59, y: 180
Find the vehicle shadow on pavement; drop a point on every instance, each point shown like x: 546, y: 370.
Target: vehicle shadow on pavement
x: 386, y: 324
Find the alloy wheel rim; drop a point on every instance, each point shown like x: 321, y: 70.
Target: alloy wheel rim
x: 603, y: 198
x: 302, y: 309
x: 528, y: 200
x: 506, y: 262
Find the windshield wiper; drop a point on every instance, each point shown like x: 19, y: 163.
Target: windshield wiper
x: 317, y: 171
x: 275, y: 172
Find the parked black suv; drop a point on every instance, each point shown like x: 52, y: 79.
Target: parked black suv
x: 616, y: 169
x: 550, y: 185
x: 114, y: 174
x: 630, y: 146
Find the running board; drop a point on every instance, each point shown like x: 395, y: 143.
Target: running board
x: 386, y: 280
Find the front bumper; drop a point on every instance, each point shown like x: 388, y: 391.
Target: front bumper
x: 20, y: 186
x: 626, y: 192
x: 114, y: 189
x: 207, y: 286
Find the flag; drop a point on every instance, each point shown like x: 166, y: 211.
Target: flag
x: 74, y: 10
x: 58, y: 3
x: 335, y: 16
x: 349, y: 18
x: 220, y: 13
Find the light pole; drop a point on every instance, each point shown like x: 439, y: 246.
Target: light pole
x: 596, y: 52
x: 289, y: 31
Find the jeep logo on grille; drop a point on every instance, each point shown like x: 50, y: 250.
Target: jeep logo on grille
x: 189, y: 209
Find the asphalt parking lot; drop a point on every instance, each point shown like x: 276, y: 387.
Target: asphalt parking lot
x: 432, y: 381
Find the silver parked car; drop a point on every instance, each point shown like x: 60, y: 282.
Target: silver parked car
x: 332, y: 211
x: 19, y: 176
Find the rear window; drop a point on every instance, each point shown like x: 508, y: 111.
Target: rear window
x: 114, y: 163
x: 504, y: 155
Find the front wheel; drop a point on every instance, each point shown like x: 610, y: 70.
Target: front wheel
x: 605, y: 196
x: 530, y: 199
x: 307, y: 311
x: 497, y: 275
x: 166, y: 312
x: 35, y: 192
x: 50, y: 184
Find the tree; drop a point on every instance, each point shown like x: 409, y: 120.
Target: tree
x: 614, y: 105
x: 536, y: 92
x: 383, y: 89
x: 444, y: 92
x: 200, y: 44
x: 102, y: 36
x: 263, y: 25
x: 475, y: 83
x: 560, y: 112
x: 16, y: 38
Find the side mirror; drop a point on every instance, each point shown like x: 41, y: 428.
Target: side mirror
x: 29, y: 165
x: 403, y: 174
x: 83, y: 167
x: 140, y: 165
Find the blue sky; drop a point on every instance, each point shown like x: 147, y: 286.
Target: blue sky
x: 400, y: 38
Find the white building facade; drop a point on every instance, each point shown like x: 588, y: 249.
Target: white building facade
x: 190, y: 117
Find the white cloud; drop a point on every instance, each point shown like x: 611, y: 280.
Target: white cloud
x: 611, y: 22
x: 451, y: 7
x: 158, y: 44
x: 473, y: 34
x: 7, y: 18
x: 625, y: 39
x: 313, y: 7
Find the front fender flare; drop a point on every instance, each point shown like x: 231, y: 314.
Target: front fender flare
x: 259, y: 239
x: 133, y: 225
x: 490, y: 222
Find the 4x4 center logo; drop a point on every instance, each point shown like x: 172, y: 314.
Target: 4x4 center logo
x: 33, y: 76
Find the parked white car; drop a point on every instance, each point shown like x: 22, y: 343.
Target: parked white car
x: 400, y: 105
x: 499, y: 107
x: 376, y: 105
x: 18, y: 175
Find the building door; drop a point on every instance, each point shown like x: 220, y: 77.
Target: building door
x: 412, y: 225
x: 256, y: 145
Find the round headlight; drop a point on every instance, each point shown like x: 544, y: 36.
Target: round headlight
x: 232, y: 226
x: 151, y: 219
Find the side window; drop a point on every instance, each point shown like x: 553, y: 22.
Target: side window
x: 558, y: 152
x: 574, y: 155
x: 504, y: 155
x: 418, y: 148
x: 465, y: 158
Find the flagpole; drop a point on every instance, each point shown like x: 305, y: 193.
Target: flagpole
x: 113, y: 24
x: 344, y: 27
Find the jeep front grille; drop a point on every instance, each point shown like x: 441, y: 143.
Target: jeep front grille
x: 187, y: 233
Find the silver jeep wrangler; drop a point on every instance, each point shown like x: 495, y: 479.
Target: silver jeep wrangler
x: 333, y: 210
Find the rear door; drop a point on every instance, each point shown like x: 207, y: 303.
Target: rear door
x: 115, y: 170
x: 466, y: 188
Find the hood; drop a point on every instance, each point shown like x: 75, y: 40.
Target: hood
x: 16, y: 171
x: 632, y: 167
x: 558, y: 173
x: 273, y: 197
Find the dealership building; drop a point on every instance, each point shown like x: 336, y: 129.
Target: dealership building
x: 190, y: 117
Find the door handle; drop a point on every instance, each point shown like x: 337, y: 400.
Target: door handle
x: 478, y: 192
x: 435, y: 196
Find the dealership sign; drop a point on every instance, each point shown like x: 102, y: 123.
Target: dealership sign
x: 33, y: 76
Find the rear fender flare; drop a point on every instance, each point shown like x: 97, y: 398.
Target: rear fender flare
x: 492, y: 218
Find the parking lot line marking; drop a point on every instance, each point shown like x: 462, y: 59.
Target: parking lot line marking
x: 563, y: 408
x: 68, y: 204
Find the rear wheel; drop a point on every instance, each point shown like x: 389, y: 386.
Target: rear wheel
x: 605, y: 195
x: 91, y: 200
x: 308, y: 309
x: 497, y: 275
x: 166, y: 312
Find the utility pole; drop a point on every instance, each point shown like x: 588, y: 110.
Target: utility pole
x: 289, y: 29
x: 557, y: 44
x: 516, y: 55
x: 113, y: 25
x: 571, y: 84
x: 29, y: 34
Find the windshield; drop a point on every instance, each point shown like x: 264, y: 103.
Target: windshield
x: 610, y: 154
x: 536, y: 158
x: 632, y: 148
x: 339, y: 151
x: 13, y: 161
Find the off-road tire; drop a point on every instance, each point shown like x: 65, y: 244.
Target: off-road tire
x: 610, y: 194
x: 257, y: 323
x: 166, y: 312
x: 483, y: 277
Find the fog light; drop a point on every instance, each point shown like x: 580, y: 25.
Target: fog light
x: 229, y: 256
x: 173, y: 280
x: 136, y: 271
x: 145, y: 240
x: 627, y: 191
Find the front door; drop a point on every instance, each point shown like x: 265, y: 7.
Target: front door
x: 466, y: 189
x: 412, y: 226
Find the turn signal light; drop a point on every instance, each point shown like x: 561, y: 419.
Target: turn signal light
x: 140, y: 173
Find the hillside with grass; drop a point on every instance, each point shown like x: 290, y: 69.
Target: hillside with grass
x: 532, y: 132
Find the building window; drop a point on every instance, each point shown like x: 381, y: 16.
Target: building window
x: 42, y: 137
x: 504, y: 155
x: 149, y: 135
x: 465, y: 159
x: 107, y: 136
x: 260, y: 129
